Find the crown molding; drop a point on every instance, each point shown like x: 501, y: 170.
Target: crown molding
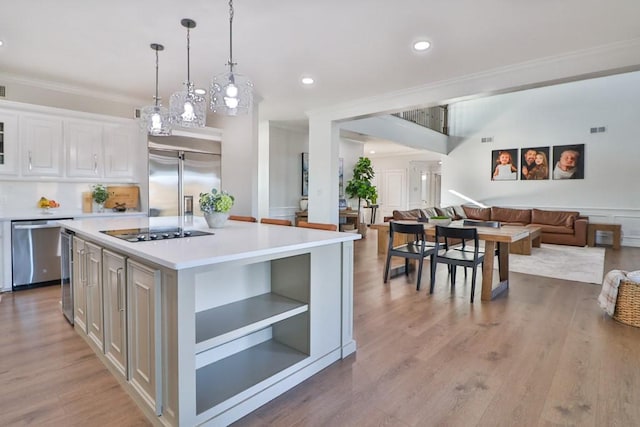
x: 71, y: 89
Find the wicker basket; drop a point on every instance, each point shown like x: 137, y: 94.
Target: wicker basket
x: 628, y: 303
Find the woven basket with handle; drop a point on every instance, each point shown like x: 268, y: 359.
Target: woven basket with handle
x: 628, y: 303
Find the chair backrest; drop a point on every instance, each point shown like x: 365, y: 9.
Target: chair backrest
x: 242, y: 218
x: 318, y: 225
x: 275, y: 221
x: 463, y: 234
x: 478, y: 223
x: 417, y: 230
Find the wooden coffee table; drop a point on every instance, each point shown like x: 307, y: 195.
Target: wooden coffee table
x: 523, y: 246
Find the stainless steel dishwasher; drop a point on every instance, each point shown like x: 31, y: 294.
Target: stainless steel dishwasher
x: 35, y: 253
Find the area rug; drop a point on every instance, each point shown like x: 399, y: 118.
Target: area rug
x: 562, y: 262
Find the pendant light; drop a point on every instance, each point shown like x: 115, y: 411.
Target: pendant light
x: 187, y: 108
x: 231, y: 93
x: 156, y: 117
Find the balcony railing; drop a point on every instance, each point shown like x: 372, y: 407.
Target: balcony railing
x: 434, y: 118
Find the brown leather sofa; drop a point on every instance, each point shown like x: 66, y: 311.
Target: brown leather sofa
x: 558, y: 227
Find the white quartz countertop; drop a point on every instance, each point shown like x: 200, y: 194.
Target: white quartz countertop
x: 36, y: 213
x: 236, y: 241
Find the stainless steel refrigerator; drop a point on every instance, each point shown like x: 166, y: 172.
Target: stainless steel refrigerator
x: 181, y: 168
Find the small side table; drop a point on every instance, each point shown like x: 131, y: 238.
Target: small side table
x: 612, y: 228
x: 374, y: 209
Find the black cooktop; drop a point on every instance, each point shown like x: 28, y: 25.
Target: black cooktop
x: 155, y: 233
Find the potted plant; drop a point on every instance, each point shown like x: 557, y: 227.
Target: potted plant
x: 100, y: 195
x: 216, y: 206
x: 360, y: 187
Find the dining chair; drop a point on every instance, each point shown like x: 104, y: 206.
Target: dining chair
x: 275, y: 221
x: 242, y: 218
x: 445, y: 254
x: 480, y: 223
x: 318, y: 225
x: 416, y: 248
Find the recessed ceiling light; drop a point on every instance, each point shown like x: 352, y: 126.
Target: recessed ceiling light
x: 421, y: 45
x: 372, y: 152
x: 1, y: 43
x: 307, y: 80
x: 200, y: 91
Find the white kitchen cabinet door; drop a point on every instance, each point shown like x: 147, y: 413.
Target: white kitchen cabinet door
x: 8, y: 143
x: 79, y: 284
x: 115, y: 304
x: 84, y: 148
x: 95, y: 320
x: 144, y: 332
x: 121, y: 151
x: 42, y: 145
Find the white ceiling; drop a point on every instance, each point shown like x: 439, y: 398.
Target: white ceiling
x: 353, y: 48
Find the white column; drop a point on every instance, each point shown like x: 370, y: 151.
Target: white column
x: 323, y: 170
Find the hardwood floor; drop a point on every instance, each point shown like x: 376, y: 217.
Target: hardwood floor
x: 543, y: 354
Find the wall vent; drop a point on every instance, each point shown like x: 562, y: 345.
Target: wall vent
x: 3, y: 91
x: 487, y: 139
x: 599, y: 129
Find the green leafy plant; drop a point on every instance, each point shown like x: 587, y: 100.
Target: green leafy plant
x: 216, y: 201
x: 360, y: 185
x: 99, y: 193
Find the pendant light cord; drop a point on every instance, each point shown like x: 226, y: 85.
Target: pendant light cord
x: 188, y: 62
x: 231, y: 63
x: 156, y: 77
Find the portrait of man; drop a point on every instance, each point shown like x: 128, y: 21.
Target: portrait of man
x: 535, y: 165
x: 568, y: 162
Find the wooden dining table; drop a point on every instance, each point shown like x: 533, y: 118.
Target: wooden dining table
x: 503, y: 237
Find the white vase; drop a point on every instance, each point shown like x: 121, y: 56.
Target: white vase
x: 216, y: 219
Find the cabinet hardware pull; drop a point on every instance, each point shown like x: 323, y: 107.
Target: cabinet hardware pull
x: 82, y: 263
x: 119, y: 292
x: 30, y: 162
x: 95, y: 164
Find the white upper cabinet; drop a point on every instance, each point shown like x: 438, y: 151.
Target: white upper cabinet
x: 42, y: 145
x: 38, y: 142
x: 120, y: 152
x: 83, y: 140
x: 8, y: 143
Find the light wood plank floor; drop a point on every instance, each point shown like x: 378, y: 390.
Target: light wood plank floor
x: 541, y: 355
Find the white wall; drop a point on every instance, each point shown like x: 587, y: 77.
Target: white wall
x: 286, y: 146
x: 549, y: 116
x: 401, y: 163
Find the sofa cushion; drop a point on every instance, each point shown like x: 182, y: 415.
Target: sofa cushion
x: 472, y: 212
x: 508, y: 215
x: 453, y: 212
x: 559, y: 218
x: 429, y: 212
x: 411, y: 214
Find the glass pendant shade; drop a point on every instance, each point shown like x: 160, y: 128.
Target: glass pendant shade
x: 187, y: 108
x: 231, y: 94
x: 155, y: 118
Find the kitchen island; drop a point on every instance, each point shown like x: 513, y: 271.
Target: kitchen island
x: 205, y: 329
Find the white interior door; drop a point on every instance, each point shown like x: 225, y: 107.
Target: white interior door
x: 394, y: 192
